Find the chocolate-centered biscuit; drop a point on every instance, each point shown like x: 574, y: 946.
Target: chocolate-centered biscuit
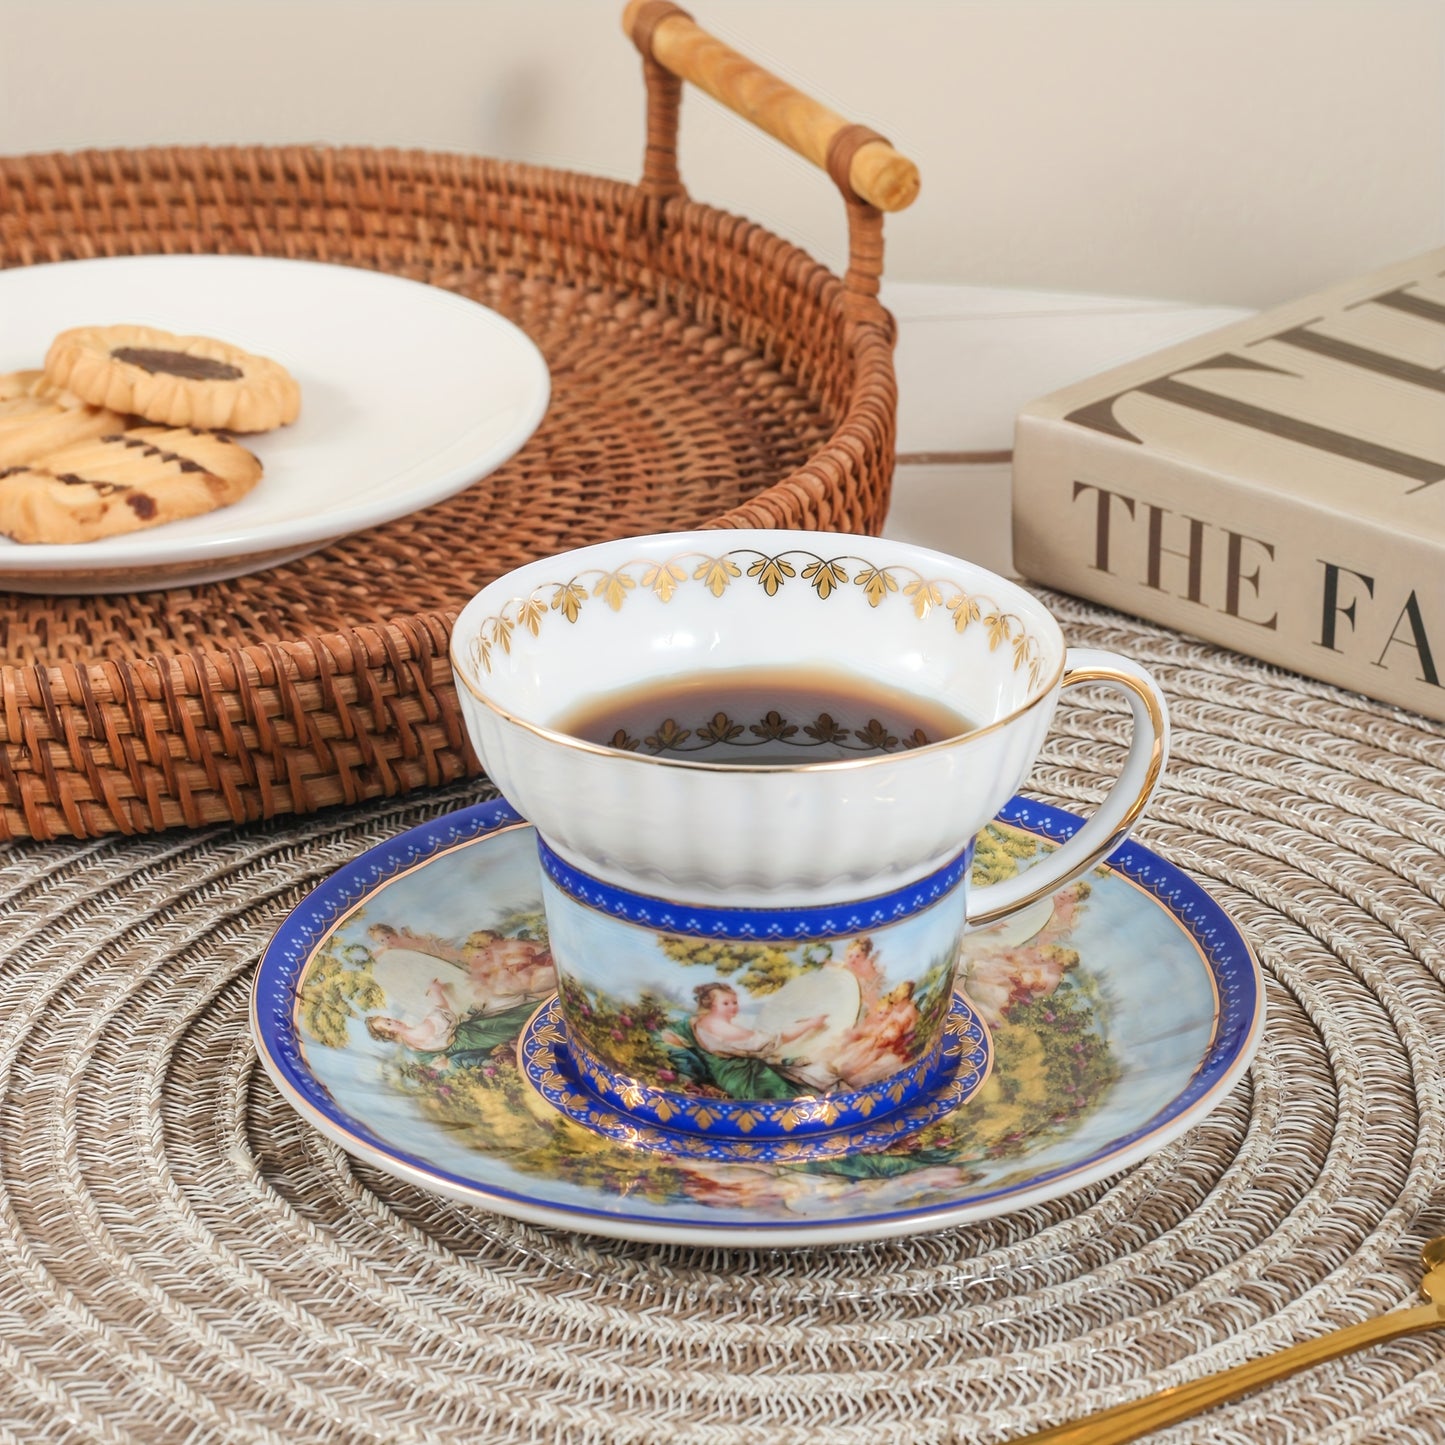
x: 177, y: 363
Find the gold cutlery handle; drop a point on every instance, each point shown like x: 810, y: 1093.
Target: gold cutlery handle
x: 1129, y: 1421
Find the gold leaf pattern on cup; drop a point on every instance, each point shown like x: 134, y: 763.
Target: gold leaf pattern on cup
x: 617, y: 586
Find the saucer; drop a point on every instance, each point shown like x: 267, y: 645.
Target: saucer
x: 1119, y: 1018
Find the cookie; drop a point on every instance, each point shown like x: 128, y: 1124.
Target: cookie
x: 179, y: 381
x: 16, y: 385
x: 123, y: 482
x: 36, y: 419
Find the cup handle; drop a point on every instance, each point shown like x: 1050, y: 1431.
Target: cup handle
x: 1116, y: 815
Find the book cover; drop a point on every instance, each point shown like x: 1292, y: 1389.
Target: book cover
x: 1276, y: 486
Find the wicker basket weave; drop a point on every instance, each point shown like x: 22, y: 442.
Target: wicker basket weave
x: 705, y: 373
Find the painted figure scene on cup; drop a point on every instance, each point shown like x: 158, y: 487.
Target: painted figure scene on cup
x: 432, y: 1015
x: 767, y: 1020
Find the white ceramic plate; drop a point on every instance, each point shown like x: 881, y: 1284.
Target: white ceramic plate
x: 408, y: 394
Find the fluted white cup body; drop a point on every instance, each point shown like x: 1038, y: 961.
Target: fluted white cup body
x: 535, y: 643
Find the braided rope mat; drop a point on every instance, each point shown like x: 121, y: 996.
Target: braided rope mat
x: 181, y: 1259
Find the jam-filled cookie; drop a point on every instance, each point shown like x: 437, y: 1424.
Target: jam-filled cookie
x: 36, y: 419
x: 123, y: 482
x: 175, y: 380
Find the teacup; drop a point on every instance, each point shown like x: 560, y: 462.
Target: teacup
x: 756, y: 762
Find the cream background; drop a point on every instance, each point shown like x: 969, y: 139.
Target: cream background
x: 1210, y: 150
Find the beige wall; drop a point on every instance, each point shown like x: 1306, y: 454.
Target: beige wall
x: 1210, y: 150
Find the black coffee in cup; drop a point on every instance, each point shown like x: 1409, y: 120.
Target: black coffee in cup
x: 762, y: 717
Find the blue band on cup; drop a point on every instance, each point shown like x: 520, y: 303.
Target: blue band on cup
x: 831, y: 920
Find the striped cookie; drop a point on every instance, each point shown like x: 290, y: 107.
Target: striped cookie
x: 123, y: 482
x: 34, y: 419
x: 175, y: 380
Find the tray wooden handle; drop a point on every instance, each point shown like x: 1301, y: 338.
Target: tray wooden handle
x: 875, y: 172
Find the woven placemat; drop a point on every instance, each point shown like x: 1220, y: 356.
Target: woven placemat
x: 182, y: 1259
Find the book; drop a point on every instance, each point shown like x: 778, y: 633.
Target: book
x: 1276, y: 486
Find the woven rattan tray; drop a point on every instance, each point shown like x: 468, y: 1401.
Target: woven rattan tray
x: 704, y: 373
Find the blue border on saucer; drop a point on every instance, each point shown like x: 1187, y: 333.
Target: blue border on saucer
x: 1228, y: 957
